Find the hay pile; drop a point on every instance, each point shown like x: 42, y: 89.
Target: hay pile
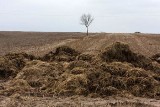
x: 156, y: 57
x: 63, y: 53
x: 122, y: 53
x: 117, y: 71
x: 16, y: 86
x: 125, y: 77
x: 35, y: 75
x: 19, y: 59
x: 38, y: 73
x: 12, y: 63
x: 73, y: 81
x: 70, y: 84
x: 110, y: 79
x: 118, y: 52
x: 85, y: 57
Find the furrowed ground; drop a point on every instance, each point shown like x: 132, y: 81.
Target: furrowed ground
x: 71, y: 69
x: 41, y: 43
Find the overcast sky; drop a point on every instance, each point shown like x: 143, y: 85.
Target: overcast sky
x: 64, y: 15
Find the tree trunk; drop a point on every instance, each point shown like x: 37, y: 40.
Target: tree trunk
x: 87, y: 31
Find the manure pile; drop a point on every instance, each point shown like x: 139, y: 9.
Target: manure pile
x: 116, y: 71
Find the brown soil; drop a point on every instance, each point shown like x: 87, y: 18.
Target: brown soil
x: 39, y: 43
x: 84, y: 68
x: 76, y: 101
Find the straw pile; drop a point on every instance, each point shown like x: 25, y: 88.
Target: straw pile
x: 116, y: 71
x: 12, y: 63
x: 156, y: 57
x: 63, y: 53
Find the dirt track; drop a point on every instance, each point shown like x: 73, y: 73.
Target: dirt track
x: 77, y: 101
x: 143, y: 43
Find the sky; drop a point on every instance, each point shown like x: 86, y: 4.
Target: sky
x: 117, y: 16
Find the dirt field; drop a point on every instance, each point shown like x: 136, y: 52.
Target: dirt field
x: 40, y: 43
x: 100, y: 70
x: 33, y: 42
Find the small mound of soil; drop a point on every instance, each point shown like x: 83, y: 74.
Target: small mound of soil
x: 78, y: 70
x: 156, y: 57
x: 122, y: 53
x: 118, y: 52
x: 80, y: 63
x: 63, y: 53
x: 65, y: 50
x: 85, y: 57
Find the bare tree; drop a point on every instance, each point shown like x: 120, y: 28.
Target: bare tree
x: 86, y: 19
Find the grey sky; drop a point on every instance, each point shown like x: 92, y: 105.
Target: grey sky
x: 64, y: 15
